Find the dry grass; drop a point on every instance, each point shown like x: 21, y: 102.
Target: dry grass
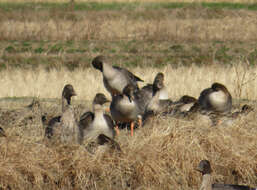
x: 162, y: 155
x: 187, y: 24
x: 240, y: 80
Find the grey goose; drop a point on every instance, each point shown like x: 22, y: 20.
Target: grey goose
x: 64, y: 127
x: 92, y: 124
x: 157, y: 105
x: 128, y: 107
x: 148, y: 89
x: 114, y: 78
x: 217, y: 99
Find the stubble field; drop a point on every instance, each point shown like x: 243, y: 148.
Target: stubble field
x: 45, y: 46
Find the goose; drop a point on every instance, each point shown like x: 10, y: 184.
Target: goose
x: 26, y: 115
x: 230, y: 119
x: 64, y: 126
x: 183, y: 105
x: 114, y: 78
x: 157, y: 105
x: 94, y: 123
x: 148, y: 89
x: 204, y: 168
x: 217, y: 99
x: 127, y: 107
x: 244, y: 111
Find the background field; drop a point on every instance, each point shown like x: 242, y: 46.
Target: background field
x: 44, y: 46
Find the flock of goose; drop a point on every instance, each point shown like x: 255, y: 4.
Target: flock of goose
x: 134, y: 106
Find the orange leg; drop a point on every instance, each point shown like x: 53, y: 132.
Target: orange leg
x: 140, y: 122
x: 132, y: 129
x: 117, y: 130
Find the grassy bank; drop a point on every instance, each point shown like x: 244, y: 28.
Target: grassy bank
x: 105, y: 5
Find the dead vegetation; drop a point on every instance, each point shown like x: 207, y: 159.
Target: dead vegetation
x: 186, y: 24
x: 161, y: 155
x: 240, y: 79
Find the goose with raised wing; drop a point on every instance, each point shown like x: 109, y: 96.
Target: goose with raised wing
x: 115, y: 78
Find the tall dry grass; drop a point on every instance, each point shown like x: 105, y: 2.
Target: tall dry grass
x: 239, y: 79
x: 161, y: 155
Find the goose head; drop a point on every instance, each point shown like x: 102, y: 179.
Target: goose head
x: 129, y: 91
x: 98, y: 62
x: 204, y: 167
x: 219, y: 87
x: 187, y: 99
x: 246, y: 109
x: 68, y: 92
x: 99, y: 100
x: 158, y: 83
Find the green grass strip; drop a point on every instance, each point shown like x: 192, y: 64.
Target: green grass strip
x: 94, y: 6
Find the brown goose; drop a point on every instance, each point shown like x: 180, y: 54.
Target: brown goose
x: 217, y: 99
x: 204, y: 168
x: 183, y: 105
x: 64, y: 127
x: 94, y: 123
x: 127, y: 107
x: 148, y: 89
x: 157, y: 105
x: 114, y: 78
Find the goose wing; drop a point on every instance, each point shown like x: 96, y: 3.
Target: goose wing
x: 84, y: 122
x: 148, y: 87
x: 109, y: 121
x: 103, y: 139
x: 203, y: 98
x: 52, y: 125
x: 128, y: 74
